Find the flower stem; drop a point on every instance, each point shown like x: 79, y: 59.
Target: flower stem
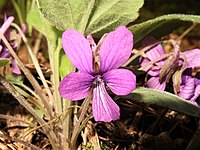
x: 19, y: 12
x: 54, y: 54
x: 47, y: 129
x: 29, y: 76
x: 186, y: 32
x: 139, y: 53
x: 37, y: 66
x: 83, y: 111
x: 154, y: 61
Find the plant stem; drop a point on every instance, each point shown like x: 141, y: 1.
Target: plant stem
x: 83, y: 111
x: 35, y: 101
x: 186, y: 32
x: 55, y: 78
x: 37, y: 43
x: 154, y: 61
x: 47, y: 129
x: 37, y: 66
x: 28, y: 89
x: 29, y: 76
x: 16, y: 6
x: 139, y: 53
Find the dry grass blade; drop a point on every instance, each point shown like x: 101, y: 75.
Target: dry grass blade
x: 11, y: 140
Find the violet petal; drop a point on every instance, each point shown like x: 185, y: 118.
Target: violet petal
x: 187, y: 87
x: 145, y: 61
x: 151, y: 55
x: 75, y: 86
x: 149, y: 69
x: 154, y: 52
x: 78, y: 50
x: 15, y: 67
x: 193, y: 57
x: 120, y: 81
x: 115, y: 49
x: 154, y: 83
x: 154, y: 72
x: 197, y: 81
x: 6, y: 24
x: 196, y: 94
x: 103, y: 107
x: 5, y: 53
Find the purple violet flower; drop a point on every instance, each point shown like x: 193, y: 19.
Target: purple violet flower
x: 155, y: 69
x: 4, y: 52
x: 114, y: 51
x: 190, y: 86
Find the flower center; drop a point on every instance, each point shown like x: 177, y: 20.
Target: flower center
x: 98, y: 79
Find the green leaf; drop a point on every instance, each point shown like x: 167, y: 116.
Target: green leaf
x: 90, y: 16
x: 108, y: 15
x: 65, y: 65
x: 67, y: 14
x: 164, y: 99
x: 161, y: 26
x: 15, y: 79
x: 36, y: 19
x: 3, y: 62
x: 53, y: 36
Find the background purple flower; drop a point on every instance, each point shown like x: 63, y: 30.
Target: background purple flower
x: 114, y: 51
x: 4, y: 52
x: 190, y: 86
x: 155, y: 69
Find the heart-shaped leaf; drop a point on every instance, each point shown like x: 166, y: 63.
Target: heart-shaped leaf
x: 90, y: 16
x: 3, y: 62
x: 164, y: 99
x: 161, y: 25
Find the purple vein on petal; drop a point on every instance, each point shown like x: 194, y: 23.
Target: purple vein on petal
x: 103, y: 107
x: 196, y: 93
x: 76, y: 85
x: 154, y: 83
x: 187, y: 87
x: 115, y: 49
x: 154, y: 52
x: 193, y: 57
x: 78, y: 50
x: 120, y: 81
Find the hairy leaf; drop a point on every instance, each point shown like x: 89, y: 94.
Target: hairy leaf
x: 161, y: 25
x: 36, y: 19
x: 90, y: 16
x: 108, y: 15
x: 164, y: 99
